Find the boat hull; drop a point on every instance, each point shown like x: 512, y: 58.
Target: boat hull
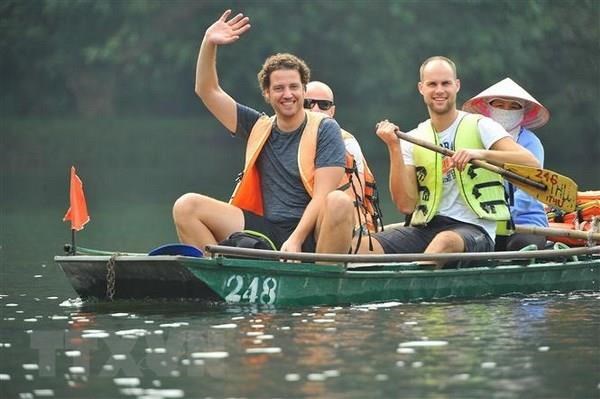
x: 273, y: 283
x: 136, y: 277
x: 297, y: 284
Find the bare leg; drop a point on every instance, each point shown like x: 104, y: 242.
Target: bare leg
x: 364, y: 245
x: 443, y: 242
x: 201, y: 220
x: 335, y: 224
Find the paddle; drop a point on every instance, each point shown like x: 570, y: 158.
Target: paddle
x: 549, y: 231
x: 547, y: 186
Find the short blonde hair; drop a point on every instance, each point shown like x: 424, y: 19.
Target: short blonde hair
x: 437, y: 58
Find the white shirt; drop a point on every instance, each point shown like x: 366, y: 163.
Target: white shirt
x: 452, y: 204
x: 353, y: 148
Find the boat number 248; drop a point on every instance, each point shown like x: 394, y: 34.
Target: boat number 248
x: 256, y: 291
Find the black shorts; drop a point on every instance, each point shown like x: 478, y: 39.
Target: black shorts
x: 277, y: 232
x: 519, y: 240
x: 415, y: 239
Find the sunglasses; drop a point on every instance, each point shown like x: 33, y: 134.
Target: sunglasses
x: 323, y: 104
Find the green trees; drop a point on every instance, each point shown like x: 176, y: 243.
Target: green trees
x: 101, y: 58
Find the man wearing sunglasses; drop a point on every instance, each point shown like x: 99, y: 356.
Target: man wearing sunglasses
x: 294, y: 160
x: 453, y: 206
x: 319, y: 98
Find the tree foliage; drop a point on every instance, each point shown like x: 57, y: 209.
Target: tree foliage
x: 137, y: 57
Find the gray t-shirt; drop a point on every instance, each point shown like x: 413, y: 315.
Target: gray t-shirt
x: 284, y: 195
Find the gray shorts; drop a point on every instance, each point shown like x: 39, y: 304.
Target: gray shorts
x: 415, y: 239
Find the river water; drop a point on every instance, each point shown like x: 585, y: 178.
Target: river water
x: 52, y: 345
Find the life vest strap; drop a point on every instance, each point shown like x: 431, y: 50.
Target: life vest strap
x: 476, y: 188
x: 490, y: 206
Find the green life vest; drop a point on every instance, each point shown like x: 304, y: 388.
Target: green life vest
x: 482, y: 190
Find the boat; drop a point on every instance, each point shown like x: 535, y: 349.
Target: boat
x: 262, y: 277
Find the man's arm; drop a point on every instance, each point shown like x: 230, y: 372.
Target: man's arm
x: 218, y: 102
x: 502, y: 148
x: 505, y: 150
x: 403, y: 179
x: 326, y: 180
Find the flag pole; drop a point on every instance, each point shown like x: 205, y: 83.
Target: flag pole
x: 73, y: 248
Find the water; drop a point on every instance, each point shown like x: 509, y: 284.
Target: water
x: 52, y: 345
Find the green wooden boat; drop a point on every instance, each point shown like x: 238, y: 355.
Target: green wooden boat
x: 247, y: 276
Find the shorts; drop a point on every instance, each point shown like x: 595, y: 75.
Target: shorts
x: 415, y: 239
x: 519, y: 240
x: 277, y: 232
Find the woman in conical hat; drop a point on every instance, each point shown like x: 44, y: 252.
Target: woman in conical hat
x: 517, y: 111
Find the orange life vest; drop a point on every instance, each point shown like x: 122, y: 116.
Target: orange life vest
x: 588, y: 210
x: 248, y: 195
x: 366, y: 198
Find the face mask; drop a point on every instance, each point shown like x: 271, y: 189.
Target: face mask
x: 510, y: 119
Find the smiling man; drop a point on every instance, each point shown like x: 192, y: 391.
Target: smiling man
x: 294, y: 159
x: 453, y: 206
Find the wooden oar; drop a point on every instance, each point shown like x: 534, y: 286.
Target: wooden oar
x: 547, y: 186
x: 549, y: 231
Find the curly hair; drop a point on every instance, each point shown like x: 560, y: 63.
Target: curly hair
x: 282, y: 61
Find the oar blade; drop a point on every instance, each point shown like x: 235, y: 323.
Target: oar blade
x: 560, y: 192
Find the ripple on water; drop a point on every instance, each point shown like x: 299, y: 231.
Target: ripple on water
x: 324, y: 320
x: 72, y: 303
x: 43, y: 392
x: 225, y: 326
x: 263, y: 350
x: 412, y: 344
x: 98, y: 334
x: 135, y: 332
x: 292, y: 377
x: 209, y: 355
x: 175, y: 325
x: 127, y: 381
x: 77, y: 370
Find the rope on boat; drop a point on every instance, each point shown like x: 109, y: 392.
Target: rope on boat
x: 389, y: 258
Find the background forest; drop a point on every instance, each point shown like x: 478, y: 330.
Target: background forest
x: 107, y: 85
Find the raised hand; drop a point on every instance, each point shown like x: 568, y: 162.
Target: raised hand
x: 224, y: 31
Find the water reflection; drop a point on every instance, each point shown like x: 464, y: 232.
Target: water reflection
x: 52, y: 344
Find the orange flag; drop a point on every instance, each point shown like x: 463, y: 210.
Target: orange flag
x: 77, y: 212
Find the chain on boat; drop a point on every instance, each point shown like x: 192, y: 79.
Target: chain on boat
x: 110, y: 276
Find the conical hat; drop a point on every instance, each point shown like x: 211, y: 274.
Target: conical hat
x: 536, y: 115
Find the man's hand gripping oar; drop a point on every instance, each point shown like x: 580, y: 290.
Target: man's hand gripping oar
x: 547, y: 186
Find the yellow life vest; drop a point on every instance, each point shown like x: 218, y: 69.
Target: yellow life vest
x: 482, y: 190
